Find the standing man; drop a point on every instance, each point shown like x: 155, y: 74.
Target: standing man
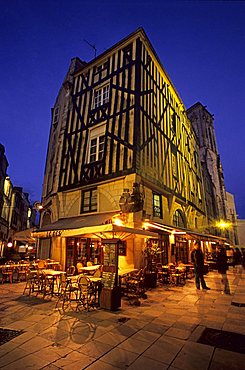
x: 222, y: 268
x: 197, y: 259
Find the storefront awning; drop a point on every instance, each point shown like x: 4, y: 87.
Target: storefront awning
x: 24, y: 236
x: 94, y: 226
x: 178, y: 231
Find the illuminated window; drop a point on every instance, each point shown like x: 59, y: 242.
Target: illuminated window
x: 157, y: 205
x: 96, y: 149
x: 96, y: 144
x: 89, y: 200
x: 101, y: 96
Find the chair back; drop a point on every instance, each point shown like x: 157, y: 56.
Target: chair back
x: 41, y: 264
x: 70, y: 271
x: 22, y: 266
x: 97, y: 273
x: 83, y: 282
x: 9, y: 267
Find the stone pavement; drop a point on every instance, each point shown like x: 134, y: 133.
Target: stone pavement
x: 164, y: 332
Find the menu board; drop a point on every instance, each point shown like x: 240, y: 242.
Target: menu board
x: 110, y: 265
x: 110, y: 297
x: 108, y: 279
x: 110, y: 257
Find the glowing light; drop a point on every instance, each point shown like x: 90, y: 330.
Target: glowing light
x: 223, y: 224
x: 10, y: 245
x: 118, y: 222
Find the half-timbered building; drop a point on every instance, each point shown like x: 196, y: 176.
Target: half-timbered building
x: 123, y: 161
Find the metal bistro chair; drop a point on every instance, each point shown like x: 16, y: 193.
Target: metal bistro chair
x: 135, y: 285
x: 87, y: 294
x: 22, y: 269
x: 178, y: 276
x: 68, y: 293
x: 34, y: 282
x: 165, y: 275
x: 8, y: 272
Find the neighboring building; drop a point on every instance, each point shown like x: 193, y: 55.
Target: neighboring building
x: 122, y: 162
x: 241, y: 233
x: 232, y: 219
x: 3, y: 211
x: 203, y: 124
x: 20, y: 205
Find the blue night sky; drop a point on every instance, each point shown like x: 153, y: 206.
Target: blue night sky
x: 201, y: 45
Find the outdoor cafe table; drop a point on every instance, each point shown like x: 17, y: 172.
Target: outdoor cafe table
x: 125, y: 272
x: 89, y: 269
x: 14, y: 265
x: 54, y: 275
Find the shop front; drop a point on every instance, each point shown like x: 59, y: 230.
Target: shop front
x: 81, y: 239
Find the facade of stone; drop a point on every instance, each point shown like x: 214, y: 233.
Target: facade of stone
x: 232, y: 219
x: 203, y: 124
x: 121, y: 145
x: 241, y: 233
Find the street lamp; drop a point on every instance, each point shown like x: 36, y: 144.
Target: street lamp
x: 223, y: 224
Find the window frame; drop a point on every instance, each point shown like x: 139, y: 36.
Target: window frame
x: 157, y: 209
x: 90, y: 206
x: 101, y: 96
x: 177, y: 217
x: 95, y: 134
x: 56, y: 114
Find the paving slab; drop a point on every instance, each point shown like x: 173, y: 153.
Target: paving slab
x: 162, y: 333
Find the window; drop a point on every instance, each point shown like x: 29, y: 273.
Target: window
x: 96, y: 149
x: 174, y: 122
x: 55, y: 116
x: 101, y: 96
x: 179, y: 219
x: 102, y: 67
x: 127, y: 54
x: 89, y: 201
x: 96, y: 144
x: 174, y: 165
x: 157, y: 205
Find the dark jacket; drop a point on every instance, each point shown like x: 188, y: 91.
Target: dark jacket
x: 197, y: 259
x: 221, y: 263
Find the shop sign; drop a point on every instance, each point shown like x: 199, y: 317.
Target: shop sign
x: 51, y: 234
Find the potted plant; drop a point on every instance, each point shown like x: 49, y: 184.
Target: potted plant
x: 151, y: 252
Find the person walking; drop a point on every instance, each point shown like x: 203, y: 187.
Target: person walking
x: 222, y: 267
x: 197, y: 259
x: 237, y: 258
